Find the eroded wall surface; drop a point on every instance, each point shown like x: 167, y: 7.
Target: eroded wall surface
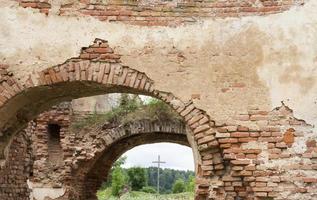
x: 256, y: 60
x: 251, y: 67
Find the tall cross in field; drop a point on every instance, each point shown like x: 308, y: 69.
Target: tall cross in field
x: 159, y: 162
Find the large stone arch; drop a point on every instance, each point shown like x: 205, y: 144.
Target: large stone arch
x: 98, y: 71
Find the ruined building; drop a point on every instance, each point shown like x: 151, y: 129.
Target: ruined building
x: 241, y: 74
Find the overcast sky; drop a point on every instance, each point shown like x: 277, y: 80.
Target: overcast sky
x: 176, y: 156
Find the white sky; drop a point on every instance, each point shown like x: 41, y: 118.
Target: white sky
x: 176, y: 156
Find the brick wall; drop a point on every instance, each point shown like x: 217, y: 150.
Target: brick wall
x: 43, y: 6
x: 98, y: 63
x: 112, y: 141
x: 163, y: 12
x: 262, y: 159
x: 49, y: 169
x: 17, y: 169
x: 259, y: 149
x: 261, y: 154
x: 85, y: 168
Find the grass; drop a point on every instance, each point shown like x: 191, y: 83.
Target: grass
x: 106, y: 195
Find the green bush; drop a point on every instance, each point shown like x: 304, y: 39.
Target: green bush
x: 179, y: 186
x: 137, y: 178
x: 119, y: 178
x: 154, y: 110
x: 148, y: 189
x: 190, y: 184
x: 130, y: 109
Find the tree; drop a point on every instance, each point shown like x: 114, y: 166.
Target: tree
x: 137, y: 178
x: 179, y: 186
x: 190, y: 185
x: 118, y: 163
x: 129, y: 103
x: 118, y: 181
x: 118, y: 177
x: 167, y: 178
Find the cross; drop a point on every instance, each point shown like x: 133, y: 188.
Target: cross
x: 159, y: 162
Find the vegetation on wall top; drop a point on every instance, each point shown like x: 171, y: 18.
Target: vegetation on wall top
x: 130, y: 108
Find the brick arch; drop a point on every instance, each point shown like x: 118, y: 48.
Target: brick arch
x: 105, y: 146
x: 97, y: 70
x: 113, y: 153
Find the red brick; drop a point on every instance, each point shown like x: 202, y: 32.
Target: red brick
x: 240, y: 134
x: 240, y: 162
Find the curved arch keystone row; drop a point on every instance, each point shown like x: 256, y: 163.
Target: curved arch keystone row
x: 98, y: 70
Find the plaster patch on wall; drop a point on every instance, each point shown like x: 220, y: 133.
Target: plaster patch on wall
x: 68, y: 34
x: 299, y: 145
x: 282, y: 163
x: 44, y: 193
x: 56, y: 5
x: 263, y: 156
x: 255, y: 145
x: 217, y: 53
x: 289, y: 68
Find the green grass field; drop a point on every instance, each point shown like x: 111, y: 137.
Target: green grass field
x: 106, y: 195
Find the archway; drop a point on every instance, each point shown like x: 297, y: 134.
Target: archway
x: 99, y: 145
x: 104, y: 144
x: 98, y: 71
x: 98, y: 173
x: 95, y: 179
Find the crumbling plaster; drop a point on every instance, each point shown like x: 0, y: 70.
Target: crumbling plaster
x: 232, y: 63
x: 44, y: 193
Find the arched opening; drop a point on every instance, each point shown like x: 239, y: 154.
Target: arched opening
x: 98, y: 173
x: 103, y: 74
x: 136, y: 173
x: 150, y: 123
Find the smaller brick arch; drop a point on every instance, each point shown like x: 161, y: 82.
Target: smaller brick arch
x: 95, y: 181
x: 105, y: 146
x: 97, y: 70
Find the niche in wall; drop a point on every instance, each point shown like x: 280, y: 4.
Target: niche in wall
x: 55, y: 151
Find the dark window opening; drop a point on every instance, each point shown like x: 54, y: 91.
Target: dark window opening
x: 55, y: 152
x: 54, y: 131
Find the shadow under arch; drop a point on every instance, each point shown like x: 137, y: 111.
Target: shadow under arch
x: 94, y: 73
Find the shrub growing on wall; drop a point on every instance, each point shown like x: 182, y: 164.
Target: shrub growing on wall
x: 130, y: 108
